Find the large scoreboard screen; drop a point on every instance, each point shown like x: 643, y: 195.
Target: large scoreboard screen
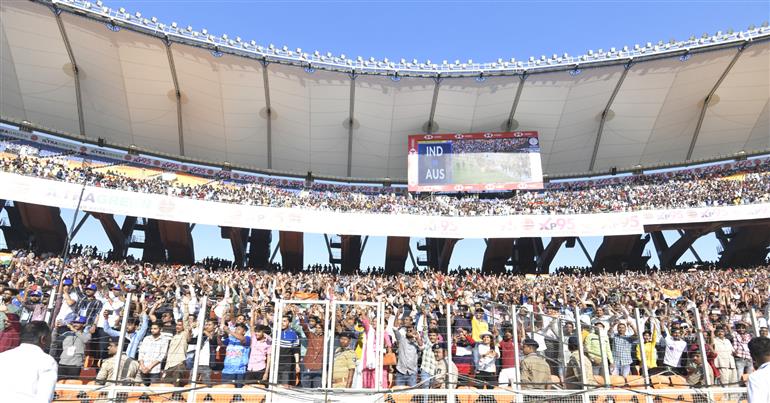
x: 474, y: 162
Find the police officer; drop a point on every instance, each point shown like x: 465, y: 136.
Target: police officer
x: 535, y: 372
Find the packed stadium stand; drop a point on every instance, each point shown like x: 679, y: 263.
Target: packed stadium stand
x: 114, y: 114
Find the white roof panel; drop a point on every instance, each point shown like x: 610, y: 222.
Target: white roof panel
x: 382, y: 126
x: 329, y: 95
x: 737, y: 107
x: 43, y: 69
x: 203, y: 121
x: 128, y: 97
x: 675, y: 125
x: 575, y: 136
x: 290, y: 127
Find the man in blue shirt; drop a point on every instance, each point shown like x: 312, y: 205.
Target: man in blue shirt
x: 133, y: 334
x: 236, y: 354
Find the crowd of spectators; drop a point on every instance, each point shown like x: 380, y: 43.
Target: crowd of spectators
x: 428, y: 318
x: 682, y: 189
x: 512, y: 145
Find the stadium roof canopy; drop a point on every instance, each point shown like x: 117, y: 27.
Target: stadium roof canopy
x: 87, y: 71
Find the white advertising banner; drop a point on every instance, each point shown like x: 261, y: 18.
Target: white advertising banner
x: 62, y: 194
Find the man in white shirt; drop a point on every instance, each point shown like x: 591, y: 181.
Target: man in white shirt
x: 29, y: 374
x: 152, y: 351
x: 675, y: 347
x: 759, y: 380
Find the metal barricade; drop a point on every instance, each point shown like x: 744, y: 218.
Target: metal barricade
x: 300, y: 343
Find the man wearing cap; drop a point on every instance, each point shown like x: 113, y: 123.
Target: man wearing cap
x: 535, y: 372
x: 67, y: 302
x: 32, y: 308
x: 73, y: 348
x: 344, y: 362
x: 445, y: 371
x: 88, y: 306
x: 741, y: 339
x: 129, y: 368
x: 574, y: 375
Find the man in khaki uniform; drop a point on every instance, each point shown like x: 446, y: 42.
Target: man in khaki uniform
x: 129, y: 368
x: 573, y: 377
x: 344, y: 363
x: 535, y: 372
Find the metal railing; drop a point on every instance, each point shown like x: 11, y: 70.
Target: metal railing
x: 344, y: 350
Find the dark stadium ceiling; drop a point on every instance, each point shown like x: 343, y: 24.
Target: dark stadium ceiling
x: 80, y: 69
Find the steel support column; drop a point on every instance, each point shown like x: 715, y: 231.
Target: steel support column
x: 178, y: 95
x: 351, y: 119
x: 269, y: 115
x: 606, y: 110
x: 80, y: 224
x: 519, y: 89
x: 692, y: 249
x: 75, y: 70
x: 431, y: 123
x: 706, y: 101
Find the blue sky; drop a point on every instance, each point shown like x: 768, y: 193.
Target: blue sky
x: 439, y: 30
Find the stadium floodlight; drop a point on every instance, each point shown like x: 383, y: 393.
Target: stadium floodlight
x: 513, y: 60
x: 543, y: 58
x: 360, y: 59
x: 349, y: 62
x: 403, y: 61
x: 532, y: 59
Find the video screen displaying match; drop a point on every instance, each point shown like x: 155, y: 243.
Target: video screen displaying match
x: 474, y: 162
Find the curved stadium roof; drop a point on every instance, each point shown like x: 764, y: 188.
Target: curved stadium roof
x: 281, y: 110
